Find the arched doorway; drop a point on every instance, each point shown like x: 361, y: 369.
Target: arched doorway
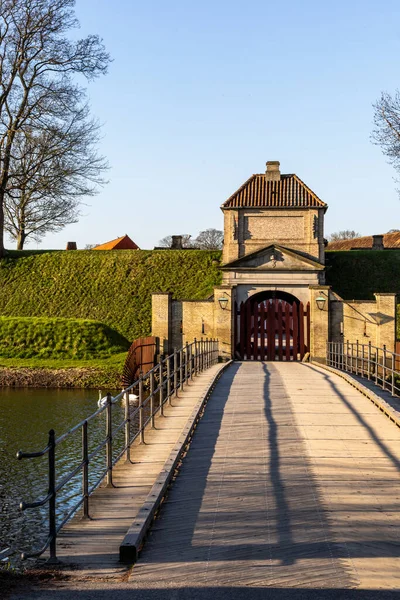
x: 272, y: 325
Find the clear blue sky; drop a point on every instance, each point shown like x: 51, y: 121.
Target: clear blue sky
x: 201, y: 94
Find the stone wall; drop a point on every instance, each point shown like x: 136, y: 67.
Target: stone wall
x: 364, y: 320
x: 248, y: 230
x: 176, y: 322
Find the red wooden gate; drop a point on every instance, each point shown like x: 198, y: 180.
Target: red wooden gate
x: 273, y: 329
x: 142, y: 356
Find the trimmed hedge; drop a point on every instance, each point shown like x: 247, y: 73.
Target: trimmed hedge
x: 41, y: 338
x: 357, y: 274
x: 113, y: 287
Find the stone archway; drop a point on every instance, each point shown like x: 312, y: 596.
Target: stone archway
x: 272, y: 325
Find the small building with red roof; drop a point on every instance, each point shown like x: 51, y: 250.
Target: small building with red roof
x: 121, y: 243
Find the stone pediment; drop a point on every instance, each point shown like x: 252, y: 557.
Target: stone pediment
x: 274, y: 258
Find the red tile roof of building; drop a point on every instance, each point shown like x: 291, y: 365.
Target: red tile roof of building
x: 390, y: 241
x: 121, y: 243
x: 290, y: 191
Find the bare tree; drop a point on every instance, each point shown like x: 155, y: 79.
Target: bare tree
x: 346, y: 234
x: 37, y: 65
x: 50, y: 171
x: 387, y: 127
x: 166, y: 241
x: 210, y: 239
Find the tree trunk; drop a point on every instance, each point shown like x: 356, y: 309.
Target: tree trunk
x: 2, y: 249
x: 21, y: 240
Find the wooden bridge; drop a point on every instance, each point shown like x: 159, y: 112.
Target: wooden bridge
x: 291, y: 480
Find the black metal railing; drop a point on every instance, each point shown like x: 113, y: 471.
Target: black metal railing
x: 376, y: 364
x: 154, y: 389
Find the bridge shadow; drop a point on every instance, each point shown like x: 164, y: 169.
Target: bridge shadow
x: 371, y: 432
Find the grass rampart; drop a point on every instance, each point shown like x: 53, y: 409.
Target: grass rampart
x: 357, y: 274
x: 57, y: 338
x: 113, y: 287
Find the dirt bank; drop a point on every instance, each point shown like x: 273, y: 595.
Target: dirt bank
x: 82, y: 377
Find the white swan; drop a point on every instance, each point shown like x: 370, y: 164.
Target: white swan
x: 132, y: 397
x: 102, y: 401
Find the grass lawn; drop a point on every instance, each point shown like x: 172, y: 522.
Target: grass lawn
x: 116, y: 361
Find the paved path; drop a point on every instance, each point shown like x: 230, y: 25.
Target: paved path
x: 291, y: 483
x: 292, y: 480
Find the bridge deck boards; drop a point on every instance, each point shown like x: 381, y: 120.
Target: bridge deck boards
x: 93, y: 545
x: 291, y: 480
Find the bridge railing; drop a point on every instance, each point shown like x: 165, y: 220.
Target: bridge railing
x: 379, y: 365
x: 154, y: 389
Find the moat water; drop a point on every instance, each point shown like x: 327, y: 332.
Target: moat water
x: 26, y: 416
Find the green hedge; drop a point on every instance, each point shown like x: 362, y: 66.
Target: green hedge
x: 113, y: 287
x: 357, y: 274
x: 39, y: 337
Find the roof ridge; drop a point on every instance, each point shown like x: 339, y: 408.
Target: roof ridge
x: 289, y: 191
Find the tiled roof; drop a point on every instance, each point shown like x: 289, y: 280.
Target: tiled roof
x: 390, y: 240
x: 121, y: 243
x: 289, y: 192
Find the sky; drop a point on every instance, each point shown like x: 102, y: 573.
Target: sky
x: 201, y: 94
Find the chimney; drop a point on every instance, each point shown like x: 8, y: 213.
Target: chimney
x: 176, y: 243
x: 273, y: 173
x: 377, y: 242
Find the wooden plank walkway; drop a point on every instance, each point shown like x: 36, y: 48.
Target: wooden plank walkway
x: 92, y: 546
x: 291, y: 481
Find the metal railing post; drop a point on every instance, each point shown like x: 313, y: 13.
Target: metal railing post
x: 369, y: 360
x: 181, y: 369
x: 85, y: 470
x: 169, y: 379
x: 175, y: 372
x: 52, y: 493
x: 362, y: 361
x: 357, y: 351
x: 152, y: 416
x: 186, y: 361
x: 141, y: 426
x: 127, y: 428
x: 384, y: 367
x: 393, y: 368
x: 109, y: 440
x: 161, y: 377
x: 376, y: 365
x: 195, y: 357
x: 191, y: 361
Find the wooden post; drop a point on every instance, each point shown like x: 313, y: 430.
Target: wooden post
x: 287, y: 330
x: 262, y: 331
x: 248, y: 330
x: 295, y: 331
x: 301, y: 330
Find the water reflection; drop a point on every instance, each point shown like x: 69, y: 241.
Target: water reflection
x: 26, y: 415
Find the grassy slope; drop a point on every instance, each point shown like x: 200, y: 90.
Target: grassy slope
x: 56, y: 338
x: 113, y: 287
x: 357, y: 274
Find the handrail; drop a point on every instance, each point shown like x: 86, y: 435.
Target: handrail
x: 380, y: 365
x: 168, y: 378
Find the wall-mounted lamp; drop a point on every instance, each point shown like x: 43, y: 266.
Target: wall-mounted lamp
x: 223, y: 302
x: 320, y: 300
